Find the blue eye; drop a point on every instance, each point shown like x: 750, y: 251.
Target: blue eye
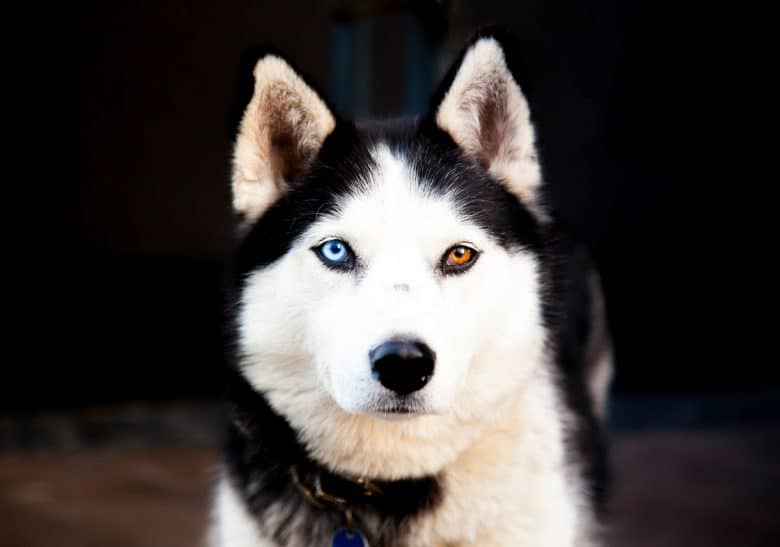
x: 335, y: 253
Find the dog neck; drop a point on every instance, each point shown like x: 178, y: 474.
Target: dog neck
x: 268, y: 465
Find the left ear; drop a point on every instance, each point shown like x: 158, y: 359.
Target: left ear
x: 486, y: 114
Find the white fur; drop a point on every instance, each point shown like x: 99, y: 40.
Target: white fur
x: 517, y: 471
x: 232, y: 525
x: 598, y: 356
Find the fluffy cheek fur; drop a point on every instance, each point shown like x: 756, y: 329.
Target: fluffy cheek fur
x: 306, y: 332
x: 500, y: 326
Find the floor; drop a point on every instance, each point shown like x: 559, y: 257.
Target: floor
x: 710, y: 488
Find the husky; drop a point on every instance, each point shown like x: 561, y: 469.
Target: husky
x: 421, y: 353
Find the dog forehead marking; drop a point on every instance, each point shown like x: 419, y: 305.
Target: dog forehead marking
x: 396, y: 210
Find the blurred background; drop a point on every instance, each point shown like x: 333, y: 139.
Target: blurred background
x: 109, y: 408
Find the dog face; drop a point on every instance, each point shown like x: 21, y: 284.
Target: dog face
x: 389, y: 275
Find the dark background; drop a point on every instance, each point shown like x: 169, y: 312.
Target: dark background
x: 127, y: 111
x: 650, y: 116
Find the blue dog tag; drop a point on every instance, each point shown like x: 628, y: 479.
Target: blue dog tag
x: 342, y: 538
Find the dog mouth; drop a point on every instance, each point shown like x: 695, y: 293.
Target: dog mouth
x: 399, y: 408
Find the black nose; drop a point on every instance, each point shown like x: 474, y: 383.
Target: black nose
x: 402, y: 365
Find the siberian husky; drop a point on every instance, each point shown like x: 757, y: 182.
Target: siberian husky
x: 421, y: 355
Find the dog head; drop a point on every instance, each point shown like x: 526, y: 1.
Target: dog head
x: 389, y: 275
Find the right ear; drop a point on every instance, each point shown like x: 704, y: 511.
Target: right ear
x: 281, y: 132
x: 481, y: 107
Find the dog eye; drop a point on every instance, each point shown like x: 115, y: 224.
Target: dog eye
x: 335, y: 253
x: 458, y: 259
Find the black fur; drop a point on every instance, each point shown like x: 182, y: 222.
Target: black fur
x: 568, y: 303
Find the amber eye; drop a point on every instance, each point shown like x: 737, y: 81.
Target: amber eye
x: 458, y: 259
x: 459, y: 256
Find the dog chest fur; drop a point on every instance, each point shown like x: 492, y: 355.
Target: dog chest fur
x: 513, y: 486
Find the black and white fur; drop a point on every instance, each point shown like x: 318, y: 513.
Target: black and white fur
x: 502, y: 446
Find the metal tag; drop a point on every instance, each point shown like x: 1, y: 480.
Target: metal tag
x: 344, y: 538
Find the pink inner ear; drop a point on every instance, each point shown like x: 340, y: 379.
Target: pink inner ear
x: 486, y: 114
x: 287, y: 121
x: 282, y: 128
x: 487, y: 99
x: 494, y: 125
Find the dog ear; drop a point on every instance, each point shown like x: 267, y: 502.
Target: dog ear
x: 481, y: 107
x: 280, y: 133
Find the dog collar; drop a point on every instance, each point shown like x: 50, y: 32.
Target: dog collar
x: 349, y: 536
x: 339, y: 492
